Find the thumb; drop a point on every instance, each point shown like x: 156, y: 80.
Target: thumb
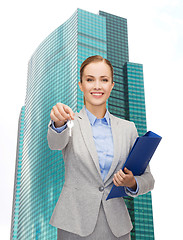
x: 127, y: 171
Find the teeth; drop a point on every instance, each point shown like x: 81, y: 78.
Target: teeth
x: 97, y: 94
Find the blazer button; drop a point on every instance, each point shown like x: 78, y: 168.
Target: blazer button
x: 101, y: 188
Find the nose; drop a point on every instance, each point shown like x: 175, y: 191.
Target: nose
x: 97, y: 84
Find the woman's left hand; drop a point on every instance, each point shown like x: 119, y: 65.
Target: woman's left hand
x: 125, y: 178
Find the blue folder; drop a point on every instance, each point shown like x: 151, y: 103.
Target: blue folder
x: 138, y: 159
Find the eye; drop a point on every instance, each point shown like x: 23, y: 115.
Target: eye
x: 105, y: 80
x: 89, y: 79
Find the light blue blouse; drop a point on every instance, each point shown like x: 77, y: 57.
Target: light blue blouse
x: 102, y: 136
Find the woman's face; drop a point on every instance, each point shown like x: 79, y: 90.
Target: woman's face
x: 96, y: 83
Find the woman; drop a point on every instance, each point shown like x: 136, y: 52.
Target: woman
x: 94, y: 155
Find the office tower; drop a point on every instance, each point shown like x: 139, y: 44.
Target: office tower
x: 53, y: 74
x: 17, y: 181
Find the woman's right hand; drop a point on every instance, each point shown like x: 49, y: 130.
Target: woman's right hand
x: 60, y: 113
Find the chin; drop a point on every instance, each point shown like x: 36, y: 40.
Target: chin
x: 97, y: 103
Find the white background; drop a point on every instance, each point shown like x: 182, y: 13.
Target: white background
x: 155, y: 32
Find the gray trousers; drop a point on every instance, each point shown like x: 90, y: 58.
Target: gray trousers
x: 102, y: 231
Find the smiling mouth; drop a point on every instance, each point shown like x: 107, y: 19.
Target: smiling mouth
x: 97, y: 94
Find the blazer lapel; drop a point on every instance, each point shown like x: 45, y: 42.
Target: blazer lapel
x: 86, y: 131
x: 116, y: 144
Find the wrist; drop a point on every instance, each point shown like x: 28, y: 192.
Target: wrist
x: 133, y: 186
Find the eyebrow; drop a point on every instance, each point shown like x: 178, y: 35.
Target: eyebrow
x: 93, y: 76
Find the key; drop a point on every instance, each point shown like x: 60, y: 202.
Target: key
x: 70, y: 124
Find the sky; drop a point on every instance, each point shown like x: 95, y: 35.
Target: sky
x: 155, y: 35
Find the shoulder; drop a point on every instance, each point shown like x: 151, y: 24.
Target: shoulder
x: 128, y: 128
x: 121, y: 121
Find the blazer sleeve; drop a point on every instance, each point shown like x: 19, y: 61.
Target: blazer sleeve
x: 146, y: 180
x: 57, y: 141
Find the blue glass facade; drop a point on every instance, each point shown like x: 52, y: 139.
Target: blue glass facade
x: 91, y: 41
x: 17, y: 182
x: 117, y: 54
x: 142, y: 205
x: 53, y: 73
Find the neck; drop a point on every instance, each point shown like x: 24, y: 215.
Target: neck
x: 97, y: 111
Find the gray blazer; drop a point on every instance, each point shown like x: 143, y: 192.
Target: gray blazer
x: 77, y: 208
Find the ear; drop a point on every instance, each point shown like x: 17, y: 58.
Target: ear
x: 112, y: 86
x: 80, y: 86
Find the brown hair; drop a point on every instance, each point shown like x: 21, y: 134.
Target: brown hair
x: 95, y: 58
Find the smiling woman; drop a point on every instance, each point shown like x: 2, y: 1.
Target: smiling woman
x: 94, y: 154
x: 96, y: 82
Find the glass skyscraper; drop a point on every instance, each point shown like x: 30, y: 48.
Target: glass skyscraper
x: 53, y: 74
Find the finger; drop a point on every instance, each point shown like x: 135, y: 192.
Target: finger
x: 122, y: 174
x: 60, y: 114
x: 127, y: 171
x: 117, y: 179
x: 115, y: 183
x: 53, y: 117
x: 69, y: 111
x: 60, y: 108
